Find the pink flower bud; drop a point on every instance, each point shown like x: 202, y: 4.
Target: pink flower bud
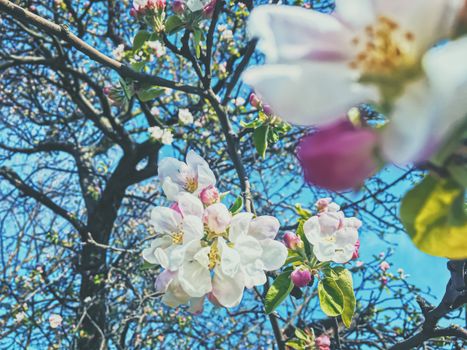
x: 384, y: 266
x: 133, y: 12
x: 356, y: 253
x: 322, y: 204
x: 268, y: 110
x: 383, y: 280
x: 292, y: 241
x: 217, y: 217
x: 156, y: 5
x: 106, y: 90
x: 254, y: 100
x: 323, y: 342
x: 339, y: 156
x: 208, y: 10
x: 209, y: 195
x: 178, y: 6
x: 301, y: 277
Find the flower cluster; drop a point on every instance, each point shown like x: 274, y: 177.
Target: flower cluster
x: 332, y: 236
x: 204, y: 249
x: 151, y: 12
x: 375, y: 51
x: 187, y: 8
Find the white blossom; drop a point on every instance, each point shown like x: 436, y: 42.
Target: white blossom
x: 185, y: 116
x: 192, y: 176
x: 118, y: 52
x: 167, y: 137
x: 55, y: 320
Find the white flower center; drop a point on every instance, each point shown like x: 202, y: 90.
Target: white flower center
x: 177, y: 238
x: 387, y: 57
x: 330, y: 239
x: 191, y: 184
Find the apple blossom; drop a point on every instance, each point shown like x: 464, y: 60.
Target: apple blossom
x: 156, y: 132
x: 378, y: 51
x: 155, y: 111
x: 323, y: 342
x: 384, y: 266
x: 339, y: 156
x: 254, y: 100
x: 192, y: 176
x: 332, y: 235
x: 167, y: 137
x: 185, y: 116
x: 118, y: 52
x: 55, y: 320
x: 301, y: 277
x: 157, y: 47
x: 178, y: 6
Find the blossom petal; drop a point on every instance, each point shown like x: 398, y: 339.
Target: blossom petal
x: 171, y: 189
x: 230, y: 259
x: 195, y: 279
x: 312, y: 230
x: 196, y: 305
x: 175, y: 295
x: 346, y: 236
x: 165, y: 220
x: 274, y: 254
x: 239, y: 226
x: 324, y: 251
x: 249, y: 249
x: 288, y: 33
x: 447, y: 75
x: 190, y: 205
x: 405, y: 138
x: 228, y: 290
x: 305, y: 93
x: 163, y: 280
x: 193, y: 228
x: 264, y: 227
x: 160, y: 242
x: 206, y: 177
x: 171, y: 168
x: 356, y: 14
x: 254, y: 274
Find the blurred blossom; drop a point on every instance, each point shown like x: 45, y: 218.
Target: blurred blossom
x: 156, y: 132
x: 384, y: 266
x: 323, y: 342
x: 167, y: 137
x: 55, y: 320
x: 118, y: 52
x: 155, y: 111
x: 157, y: 47
x: 185, y: 116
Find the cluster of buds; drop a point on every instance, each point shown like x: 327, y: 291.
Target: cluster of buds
x: 205, y: 8
x: 151, y: 12
x: 256, y: 103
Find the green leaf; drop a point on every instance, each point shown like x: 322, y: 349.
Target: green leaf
x: 237, y: 205
x: 140, y: 38
x: 344, y: 281
x: 295, y: 344
x: 278, y: 291
x: 252, y: 125
x: 150, y: 93
x: 147, y: 266
x: 260, y: 139
x: 173, y: 24
x: 433, y: 215
x: 331, y: 298
x: 138, y: 66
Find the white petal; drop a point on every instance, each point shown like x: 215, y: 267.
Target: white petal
x: 193, y: 228
x: 195, y: 279
x: 172, y: 168
x: 230, y: 259
x: 165, y: 220
x: 306, y: 93
x: 175, y: 294
x: 190, y: 205
x: 163, y: 280
x: 343, y: 255
x: 264, y: 227
x: 254, y: 274
x: 288, y: 33
x: 447, y: 75
x: 171, y: 189
x: 406, y: 137
x: 202, y: 256
x: 162, y: 257
x: 249, y: 249
x: 239, y: 225
x: 346, y: 236
x: 196, y: 305
x: 149, y: 253
x: 227, y: 290
x: 324, y: 251
x: 428, y: 21
x: 176, y: 256
x: 312, y: 230
x: 205, y: 177
x: 193, y: 160
x: 356, y: 14
x: 274, y: 254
